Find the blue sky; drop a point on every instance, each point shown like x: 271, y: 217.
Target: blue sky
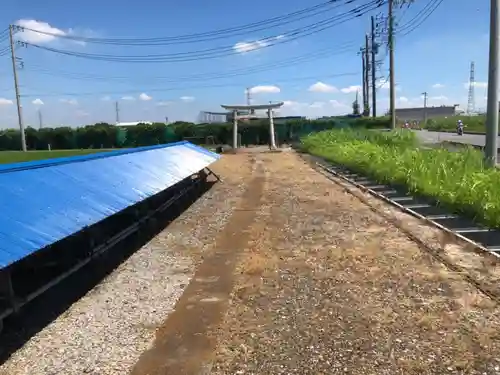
x: 435, y: 57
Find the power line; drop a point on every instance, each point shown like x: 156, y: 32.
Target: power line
x: 208, y: 36
x: 304, y: 58
x: 232, y: 84
x: 419, y: 18
x: 227, y: 50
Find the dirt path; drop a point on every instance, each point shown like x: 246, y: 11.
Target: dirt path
x: 306, y: 279
x: 186, y: 341
x: 327, y: 286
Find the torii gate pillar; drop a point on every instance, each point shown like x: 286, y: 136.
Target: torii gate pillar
x: 269, y: 107
x: 235, y: 129
x: 272, y: 138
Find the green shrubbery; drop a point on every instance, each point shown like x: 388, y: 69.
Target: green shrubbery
x: 104, y: 135
x: 473, y: 123
x: 456, y: 179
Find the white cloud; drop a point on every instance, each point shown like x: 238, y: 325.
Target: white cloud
x: 481, y: 85
x: 339, y: 105
x: 351, y: 89
x: 439, y: 98
x: 81, y: 113
x: 37, y: 102
x: 406, y: 102
x: 187, y: 98
x: 163, y: 104
x: 292, y: 105
x: 4, y: 101
x: 47, y: 33
x: 317, y: 105
x: 322, y: 87
x: 265, y: 89
x: 69, y: 101
x: 105, y: 98
x: 315, y: 109
x: 129, y: 98
x: 437, y: 86
x: 145, y: 97
x: 33, y: 37
x: 244, y: 47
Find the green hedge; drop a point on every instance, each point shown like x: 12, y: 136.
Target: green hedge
x: 104, y: 135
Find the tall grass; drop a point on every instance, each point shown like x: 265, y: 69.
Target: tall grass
x: 456, y: 179
x: 473, y: 123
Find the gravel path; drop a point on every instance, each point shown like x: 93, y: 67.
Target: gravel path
x: 106, y: 331
x: 327, y: 286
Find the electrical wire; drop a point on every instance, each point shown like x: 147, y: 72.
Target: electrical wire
x: 228, y: 50
x: 209, y: 36
x: 4, y: 35
x: 304, y: 58
x: 383, y: 82
x: 183, y: 87
x: 419, y: 18
x: 4, y: 51
x: 262, y: 43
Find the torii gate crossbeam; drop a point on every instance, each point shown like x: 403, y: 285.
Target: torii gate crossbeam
x: 269, y: 107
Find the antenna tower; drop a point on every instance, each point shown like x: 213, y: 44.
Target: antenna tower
x: 471, y: 105
x: 117, y: 112
x: 249, y: 97
x: 249, y: 100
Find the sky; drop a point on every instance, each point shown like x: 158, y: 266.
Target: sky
x: 315, y: 71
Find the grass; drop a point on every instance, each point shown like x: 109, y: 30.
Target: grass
x: 458, y: 179
x: 474, y: 124
x: 7, y: 157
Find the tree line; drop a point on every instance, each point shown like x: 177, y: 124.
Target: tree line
x: 103, y: 135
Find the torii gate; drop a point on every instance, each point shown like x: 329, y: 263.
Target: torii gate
x: 250, y: 108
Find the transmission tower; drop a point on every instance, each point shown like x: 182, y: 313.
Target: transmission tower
x: 471, y: 105
x: 249, y: 99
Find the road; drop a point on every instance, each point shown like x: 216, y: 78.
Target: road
x: 437, y: 137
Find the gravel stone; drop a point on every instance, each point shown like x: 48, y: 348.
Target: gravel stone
x: 106, y: 331
x: 327, y: 286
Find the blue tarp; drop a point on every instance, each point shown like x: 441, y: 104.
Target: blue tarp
x: 42, y: 202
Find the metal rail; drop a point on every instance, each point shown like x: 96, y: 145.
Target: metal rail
x: 482, y: 238
x: 106, y: 245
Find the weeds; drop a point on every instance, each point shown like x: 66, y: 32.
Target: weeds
x: 458, y: 180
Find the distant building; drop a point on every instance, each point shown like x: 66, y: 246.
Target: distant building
x: 133, y: 123
x: 420, y: 113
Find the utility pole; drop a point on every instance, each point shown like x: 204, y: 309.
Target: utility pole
x: 425, y: 106
x: 374, y: 72
x: 392, y: 80
x: 40, y: 122
x: 16, y: 87
x: 117, y: 112
x: 366, y: 109
x: 491, y: 147
x: 363, y: 74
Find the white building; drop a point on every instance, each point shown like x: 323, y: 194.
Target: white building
x: 133, y: 123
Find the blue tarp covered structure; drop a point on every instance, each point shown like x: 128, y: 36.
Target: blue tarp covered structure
x: 42, y: 202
